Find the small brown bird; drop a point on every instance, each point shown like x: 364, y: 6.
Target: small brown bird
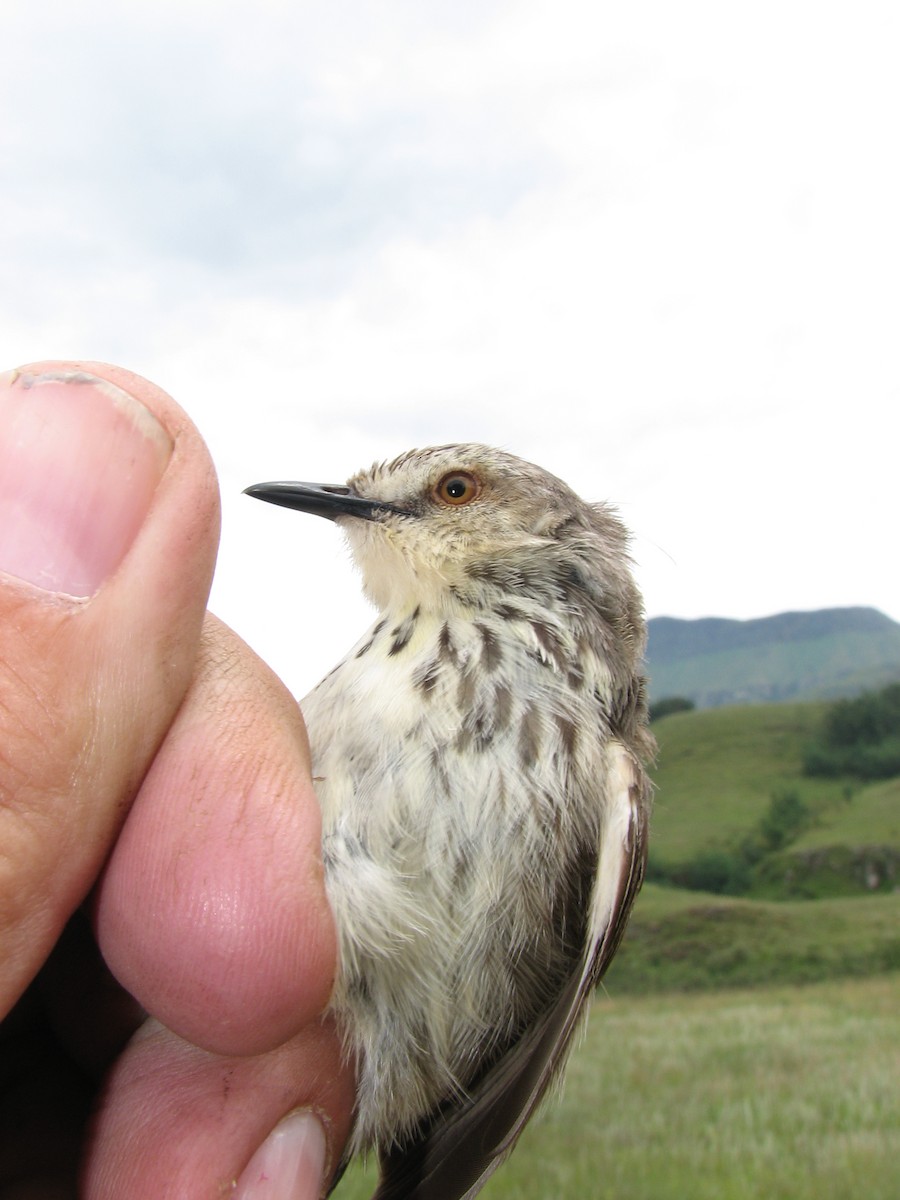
x: 479, y: 762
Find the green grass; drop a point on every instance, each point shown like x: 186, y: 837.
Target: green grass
x: 690, y: 941
x: 774, y: 1094
x: 852, y: 849
x: 717, y: 772
x: 870, y: 817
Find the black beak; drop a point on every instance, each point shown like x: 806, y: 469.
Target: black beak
x: 322, y: 499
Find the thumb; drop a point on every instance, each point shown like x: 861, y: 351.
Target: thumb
x: 108, y: 533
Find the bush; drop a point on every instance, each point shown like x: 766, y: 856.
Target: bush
x: 786, y: 817
x: 730, y: 872
x: 860, y: 737
x: 864, y: 720
x: 722, y: 872
x: 669, y: 705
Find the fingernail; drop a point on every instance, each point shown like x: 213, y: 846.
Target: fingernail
x: 79, y: 462
x: 290, y: 1163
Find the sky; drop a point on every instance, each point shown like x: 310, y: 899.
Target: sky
x: 654, y: 247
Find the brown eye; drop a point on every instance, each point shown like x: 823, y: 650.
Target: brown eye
x: 459, y: 487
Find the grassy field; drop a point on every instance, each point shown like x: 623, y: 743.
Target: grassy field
x: 871, y: 816
x: 718, y: 773
x: 718, y: 768
x: 690, y: 941
x: 771, y: 1094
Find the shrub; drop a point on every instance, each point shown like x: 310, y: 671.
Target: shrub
x: 669, y: 705
x: 860, y: 737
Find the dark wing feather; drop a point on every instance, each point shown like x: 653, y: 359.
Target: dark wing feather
x: 458, y: 1149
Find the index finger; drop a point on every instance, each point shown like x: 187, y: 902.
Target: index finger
x: 212, y: 910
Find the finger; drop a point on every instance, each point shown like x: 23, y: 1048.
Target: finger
x: 108, y: 530
x: 212, y: 910
x: 177, y: 1121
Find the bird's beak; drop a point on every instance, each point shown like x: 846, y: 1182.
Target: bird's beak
x: 322, y: 499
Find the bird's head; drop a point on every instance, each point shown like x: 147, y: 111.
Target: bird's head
x: 462, y: 524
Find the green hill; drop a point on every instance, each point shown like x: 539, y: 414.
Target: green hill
x: 824, y: 902
x: 718, y: 768
x: 690, y: 941
x: 715, y: 661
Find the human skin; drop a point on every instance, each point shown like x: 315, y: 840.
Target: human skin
x: 155, y: 803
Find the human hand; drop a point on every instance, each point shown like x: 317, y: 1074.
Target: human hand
x: 141, y: 739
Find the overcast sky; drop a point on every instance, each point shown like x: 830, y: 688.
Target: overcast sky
x: 653, y: 246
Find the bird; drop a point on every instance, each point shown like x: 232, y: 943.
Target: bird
x: 481, y: 758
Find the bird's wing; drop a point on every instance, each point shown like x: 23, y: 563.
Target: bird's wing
x: 458, y: 1149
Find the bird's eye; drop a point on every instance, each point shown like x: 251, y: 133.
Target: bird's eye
x: 459, y: 487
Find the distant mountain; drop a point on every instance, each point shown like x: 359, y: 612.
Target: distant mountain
x: 791, y: 656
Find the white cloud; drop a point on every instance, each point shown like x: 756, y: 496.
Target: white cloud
x: 652, y: 246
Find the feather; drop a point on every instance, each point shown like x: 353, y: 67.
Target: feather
x: 455, y: 1152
